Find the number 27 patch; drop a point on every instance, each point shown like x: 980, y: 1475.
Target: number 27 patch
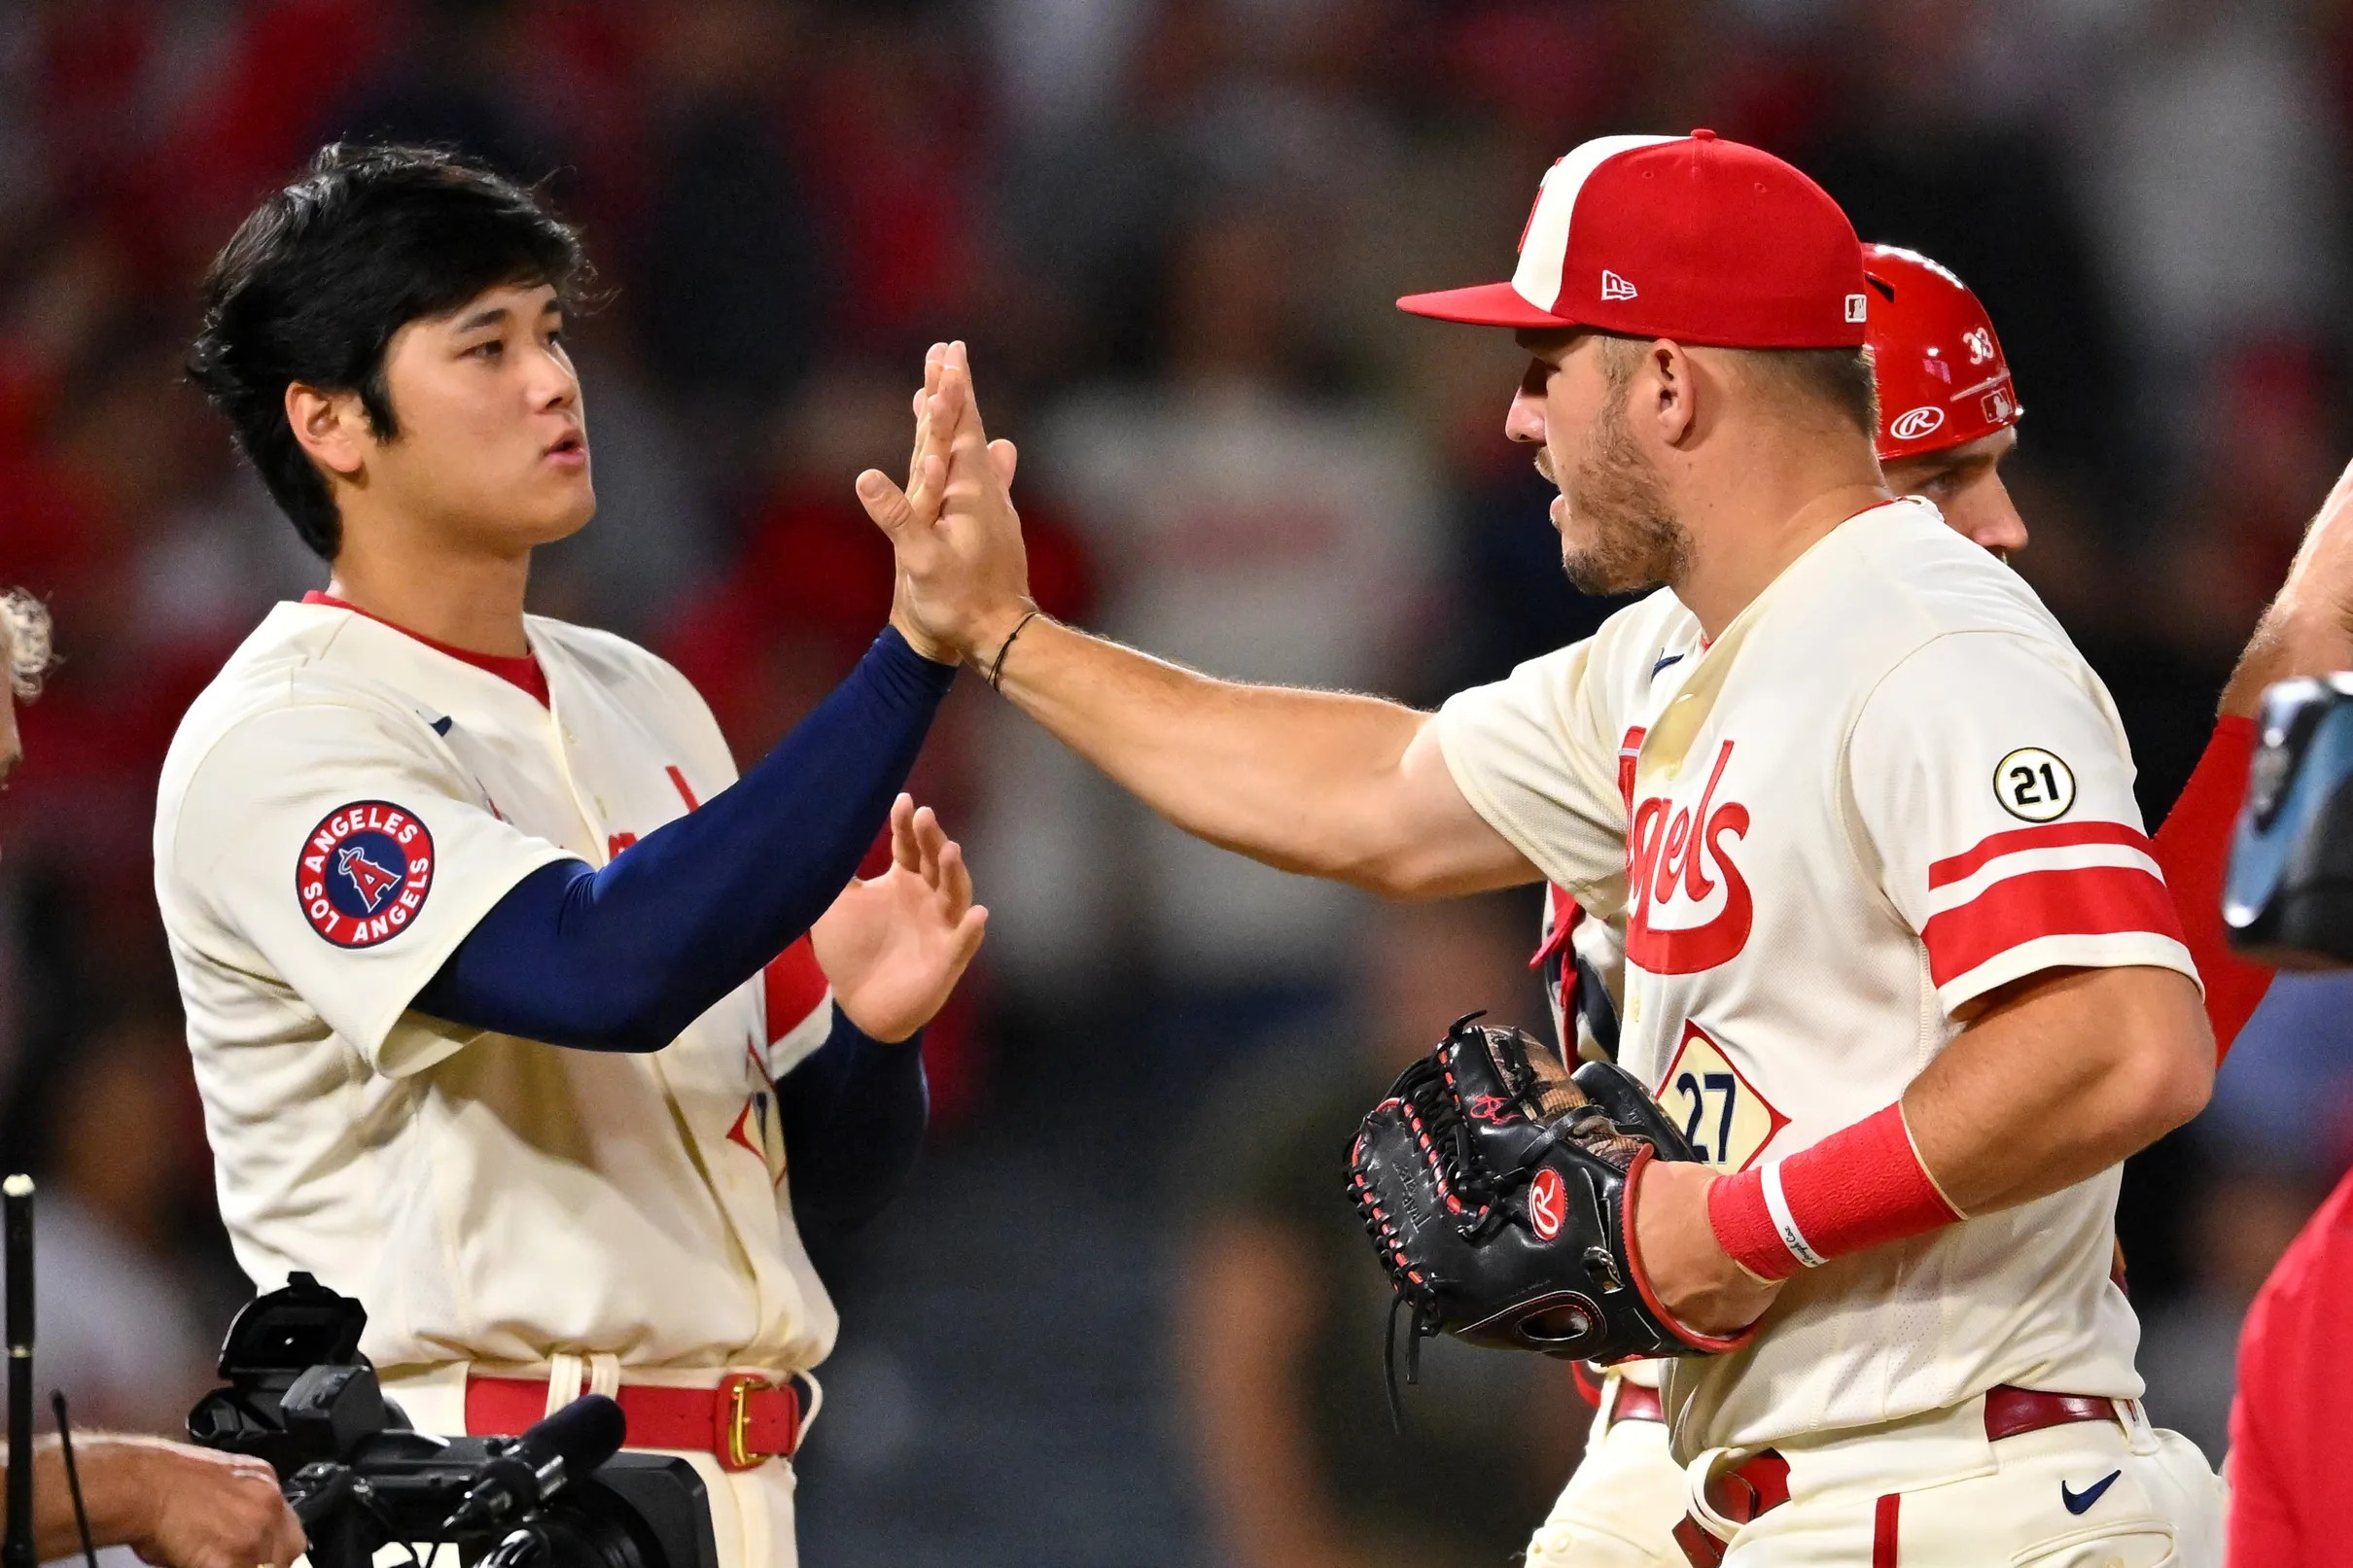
x: 1720, y: 1110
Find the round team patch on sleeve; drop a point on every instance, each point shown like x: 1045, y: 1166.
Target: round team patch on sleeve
x: 2033, y: 784
x: 363, y: 872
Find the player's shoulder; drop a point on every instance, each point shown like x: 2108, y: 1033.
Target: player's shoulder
x: 283, y: 692
x: 1919, y: 579
x: 288, y: 661
x: 1896, y: 580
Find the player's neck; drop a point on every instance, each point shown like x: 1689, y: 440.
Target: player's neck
x: 465, y: 599
x: 1757, y: 527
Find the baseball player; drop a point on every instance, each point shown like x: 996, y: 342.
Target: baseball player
x: 1949, y: 415
x: 1888, y: 902
x: 478, y: 931
x: 175, y: 1505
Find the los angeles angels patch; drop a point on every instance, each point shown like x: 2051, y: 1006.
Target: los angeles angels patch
x: 363, y: 872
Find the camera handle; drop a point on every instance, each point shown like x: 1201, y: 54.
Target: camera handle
x: 329, y: 1499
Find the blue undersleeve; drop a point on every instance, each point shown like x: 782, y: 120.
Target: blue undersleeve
x: 623, y: 959
x: 854, y: 1116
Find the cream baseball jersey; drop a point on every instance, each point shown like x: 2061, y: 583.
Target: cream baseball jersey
x: 339, y: 809
x: 1890, y: 786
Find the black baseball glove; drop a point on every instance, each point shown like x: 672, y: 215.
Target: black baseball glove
x: 1494, y: 1183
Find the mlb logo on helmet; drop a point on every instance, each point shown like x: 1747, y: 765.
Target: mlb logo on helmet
x: 1732, y: 246
x: 363, y: 873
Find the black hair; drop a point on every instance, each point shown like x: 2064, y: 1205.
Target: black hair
x: 316, y: 281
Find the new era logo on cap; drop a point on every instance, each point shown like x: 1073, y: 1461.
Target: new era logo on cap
x: 1733, y: 247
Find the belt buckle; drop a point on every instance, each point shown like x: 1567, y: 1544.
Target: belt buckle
x: 735, y: 1451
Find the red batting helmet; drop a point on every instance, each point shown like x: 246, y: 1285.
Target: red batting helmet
x: 1943, y: 379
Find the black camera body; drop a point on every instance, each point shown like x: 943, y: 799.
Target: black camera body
x: 300, y: 1396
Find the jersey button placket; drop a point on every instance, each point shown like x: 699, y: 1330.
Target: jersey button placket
x: 567, y: 745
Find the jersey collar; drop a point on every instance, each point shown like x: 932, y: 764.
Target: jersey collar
x: 523, y: 673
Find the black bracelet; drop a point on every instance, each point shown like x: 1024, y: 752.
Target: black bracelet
x: 996, y: 667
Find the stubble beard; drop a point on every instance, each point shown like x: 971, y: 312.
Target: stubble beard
x: 1634, y: 539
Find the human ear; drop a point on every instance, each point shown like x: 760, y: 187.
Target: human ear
x: 329, y: 426
x: 1675, y: 403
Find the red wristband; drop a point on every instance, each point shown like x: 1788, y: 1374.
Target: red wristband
x: 1861, y: 1187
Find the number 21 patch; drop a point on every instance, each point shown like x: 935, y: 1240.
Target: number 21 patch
x: 1726, y: 1121
x: 363, y: 872
x: 2033, y: 784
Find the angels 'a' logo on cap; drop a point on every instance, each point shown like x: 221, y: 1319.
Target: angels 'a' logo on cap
x: 1614, y: 286
x: 363, y: 873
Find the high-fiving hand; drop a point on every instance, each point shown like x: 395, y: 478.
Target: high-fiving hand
x: 963, y: 576
x: 894, y: 946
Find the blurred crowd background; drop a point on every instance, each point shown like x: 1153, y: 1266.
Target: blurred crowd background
x: 1125, y: 1317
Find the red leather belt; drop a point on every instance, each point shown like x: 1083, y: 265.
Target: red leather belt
x: 1635, y: 1403
x: 743, y: 1423
x: 2010, y: 1411
x: 1760, y: 1483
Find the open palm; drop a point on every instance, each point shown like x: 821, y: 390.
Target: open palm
x: 894, y: 946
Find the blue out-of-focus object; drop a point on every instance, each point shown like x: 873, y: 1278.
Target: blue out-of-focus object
x: 2288, y: 897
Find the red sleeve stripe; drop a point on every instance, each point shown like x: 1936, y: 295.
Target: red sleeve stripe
x: 2002, y: 867
x: 2085, y: 902
x: 2048, y: 836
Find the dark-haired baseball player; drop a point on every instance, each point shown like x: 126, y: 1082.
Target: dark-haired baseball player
x: 516, y: 1012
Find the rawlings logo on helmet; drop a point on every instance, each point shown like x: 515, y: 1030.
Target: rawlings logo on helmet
x: 1916, y: 423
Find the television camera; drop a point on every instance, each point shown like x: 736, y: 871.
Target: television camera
x: 560, y: 1496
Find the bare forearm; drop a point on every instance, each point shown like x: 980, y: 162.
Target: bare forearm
x: 1311, y: 781
x: 2058, y: 1083
x: 1346, y: 787
x: 108, y: 1491
x: 2308, y: 628
x: 174, y: 1505
x: 2297, y: 637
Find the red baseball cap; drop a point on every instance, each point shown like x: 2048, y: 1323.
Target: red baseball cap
x: 1689, y: 237
x: 1943, y: 378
